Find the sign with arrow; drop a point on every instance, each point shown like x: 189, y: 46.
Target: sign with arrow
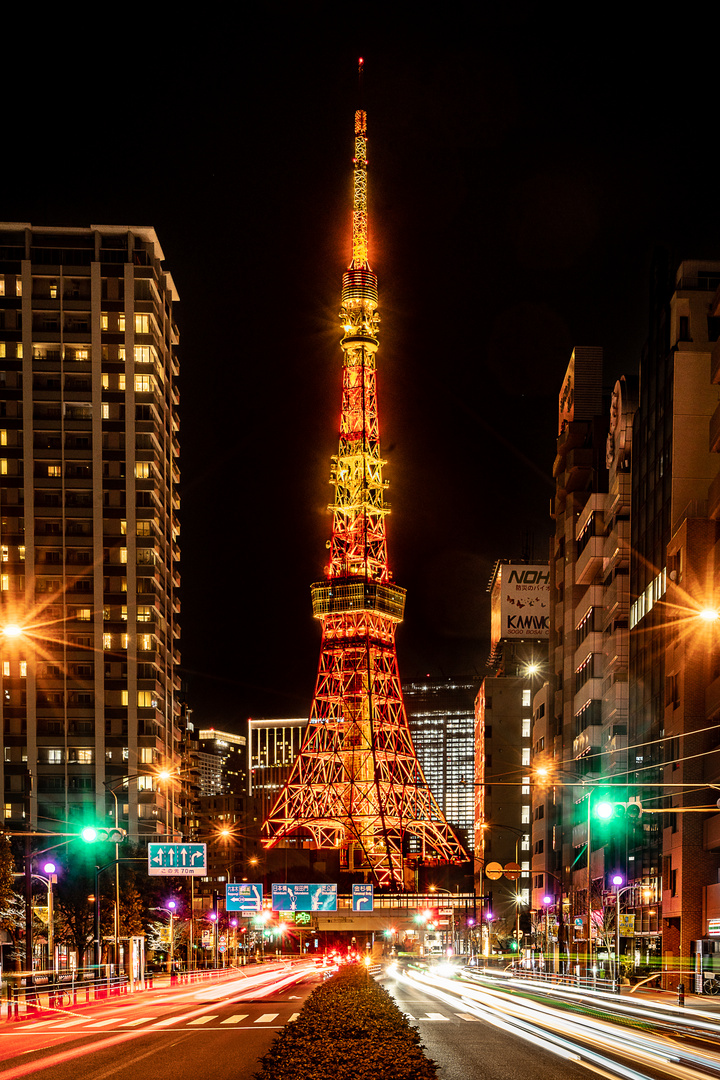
x: 243, y: 896
x: 362, y: 897
x: 177, y: 860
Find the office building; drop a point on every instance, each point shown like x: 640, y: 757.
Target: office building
x: 88, y: 528
x: 441, y: 716
x: 222, y: 761
x: 272, y: 746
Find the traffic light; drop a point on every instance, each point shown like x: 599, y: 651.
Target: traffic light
x: 610, y: 810
x: 91, y: 834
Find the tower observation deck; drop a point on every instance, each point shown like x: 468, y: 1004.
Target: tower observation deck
x: 356, y: 784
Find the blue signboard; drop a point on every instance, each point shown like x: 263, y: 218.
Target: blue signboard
x: 243, y: 897
x: 362, y: 898
x: 304, y: 897
x: 177, y: 860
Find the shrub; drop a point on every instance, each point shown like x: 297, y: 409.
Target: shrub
x: 349, y: 1029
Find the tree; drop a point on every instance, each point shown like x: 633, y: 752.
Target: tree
x: 7, y: 869
x: 74, y: 913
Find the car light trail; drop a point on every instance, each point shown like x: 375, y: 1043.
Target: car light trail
x: 537, y: 1022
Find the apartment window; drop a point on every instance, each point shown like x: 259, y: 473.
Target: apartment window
x: 121, y: 323
x: 54, y: 470
x: 143, y: 384
x: 105, y: 410
x: 4, y: 552
x: 525, y: 785
x: 107, y: 641
x: 83, y: 613
x: 105, y: 381
x: 6, y: 669
x: 23, y: 669
x: 144, y: 528
x: 525, y: 843
x: 21, y: 552
x: 123, y: 697
x: 144, y: 614
x: 124, y: 638
x: 2, y: 286
x: 142, y: 470
x: 4, y: 582
x: 84, y: 755
x: 526, y: 755
x: 526, y: 729
x: 123, y: 554
x: 525, y: 869
x: 8, y: 805
x: 145, y: 642
x: 527, y: 699
x: 55, y: 756
x: 3, y: 466
x: 104, y: 320
x: 146, y: 755
x: 525, y: 815
x: 121, y: 382
x: 18, y: 287
x: 123, y: 613
x: 145, y: 783
x: 123, y: 528
x: 145, y: 699
x: 142, y: 324
x: 3, y: 437
x: 143, y: 354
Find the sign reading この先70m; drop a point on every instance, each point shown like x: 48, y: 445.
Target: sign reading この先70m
x: 304, y: 897
x: 177, y: 860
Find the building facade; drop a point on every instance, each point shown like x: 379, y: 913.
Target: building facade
x: 89, y: 528
x: 272, y: 746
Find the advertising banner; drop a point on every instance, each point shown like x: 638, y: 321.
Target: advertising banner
x: 525, y: 601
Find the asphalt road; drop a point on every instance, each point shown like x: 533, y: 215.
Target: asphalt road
x: 207, y: 1033
x: 466, y: 1048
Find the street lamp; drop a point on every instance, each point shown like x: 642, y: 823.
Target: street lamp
x: 171, y: 905
x: 51, y: 870
x: 548, y: 902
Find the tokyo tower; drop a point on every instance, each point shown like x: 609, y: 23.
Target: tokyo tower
x: 356, y: 784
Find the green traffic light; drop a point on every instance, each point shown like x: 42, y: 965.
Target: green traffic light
x: 89, y: 834
x: 605, y: 810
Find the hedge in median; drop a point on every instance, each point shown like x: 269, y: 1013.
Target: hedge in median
x: 349, y: 1029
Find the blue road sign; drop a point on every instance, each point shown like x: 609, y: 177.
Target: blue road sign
x: 177, y: 860
x: 304, y: 897
x: 243, y: 897
x: 363, y: 897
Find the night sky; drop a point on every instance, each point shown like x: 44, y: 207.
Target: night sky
x: 525, y: 164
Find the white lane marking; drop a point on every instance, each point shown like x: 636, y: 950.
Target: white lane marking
x: 293, y: 1017
x: 202, y: 1020
x: 266, y: 1018
x: 104, y: 1023
x: 467, y: 1016
x: 134, y: 1023
x: 434, y: 1016
x: 236, y: 1018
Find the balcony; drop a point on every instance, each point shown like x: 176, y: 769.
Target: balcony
x: 589, y: 739
x: 589, y: 561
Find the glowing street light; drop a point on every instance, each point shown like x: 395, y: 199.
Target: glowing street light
x: 171, y: 906
x: 709, y: 614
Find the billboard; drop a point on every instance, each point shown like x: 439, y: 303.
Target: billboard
x: 524, y: 593
x: 304, y: 897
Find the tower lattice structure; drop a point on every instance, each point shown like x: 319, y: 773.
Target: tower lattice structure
x: 356, y: 784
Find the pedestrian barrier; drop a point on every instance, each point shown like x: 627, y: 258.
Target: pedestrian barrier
x: 28, y: 995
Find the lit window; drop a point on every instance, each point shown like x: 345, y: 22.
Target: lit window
x: 3, y: 437
x: 143, y: 384
x: 142, y: 324
x: 19, y: 351
x: 525, y: 844
x: 144, y: 528
x: 123, y: 613
x: 53, y: 290
x: 105, y: 410
x: 144, y: 699
x: 123, y: 528
x: 145, y: 783
x: 55, y: 756
x: 85, y: 756
x: 105, y: 381
x: 143, y: 354
x: 124, y: 641
x: 121, y: 382
x: 145, y: 754
x: 23, y: 669
x: 526, y: 729
x: 18, y: 287
x: 4, y: 552
x: 6, y: 668
x: 121, y: 352
x: 3, y: 466
x: 525, y: 869
x: 123, y: 554
x: 4, y: 582
x: 84, y: 613
x: 126, y: 754
x: 54, y: 470
x: 21, y: 552
x: 527, y: 699
x: 145, y: 642
x: 123, y: 697
x: 8, y: 810
x: 82, y: 354
x: 144, y: 614
x: 526, y: 755
x: 103, y: 320
x: 123, y: 584
x: 107, y: 641
x: 142, y: 470
x: 2, y: 286
x: 2, y: 344
x: 121, y: 322
x: 525, y: 785
x: 525, y: 815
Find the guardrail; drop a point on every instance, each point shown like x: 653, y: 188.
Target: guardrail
x: 28, y: 995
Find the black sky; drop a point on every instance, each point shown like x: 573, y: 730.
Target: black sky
x: 524, y: 166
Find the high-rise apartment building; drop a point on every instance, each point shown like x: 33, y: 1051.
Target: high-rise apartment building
x: 88, y: 528
x: 441, y: 716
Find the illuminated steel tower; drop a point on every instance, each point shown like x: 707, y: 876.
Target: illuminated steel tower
x: 356, y: 784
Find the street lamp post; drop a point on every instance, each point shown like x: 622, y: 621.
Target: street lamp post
x: 548, y: 901
x: 171, y: 905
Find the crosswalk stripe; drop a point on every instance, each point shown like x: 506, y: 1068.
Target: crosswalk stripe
x: 467, y: 1016
x: 434, y: 1016
x: 202, y: 1020
x: 266, y: 1018
x: 236, y: 1019
x: 293, y: 1017
x: 134, y: 1023
x: 103, y: 1023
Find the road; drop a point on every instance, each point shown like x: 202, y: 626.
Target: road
x: 215, y: 1032
x: 480, y: 1030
